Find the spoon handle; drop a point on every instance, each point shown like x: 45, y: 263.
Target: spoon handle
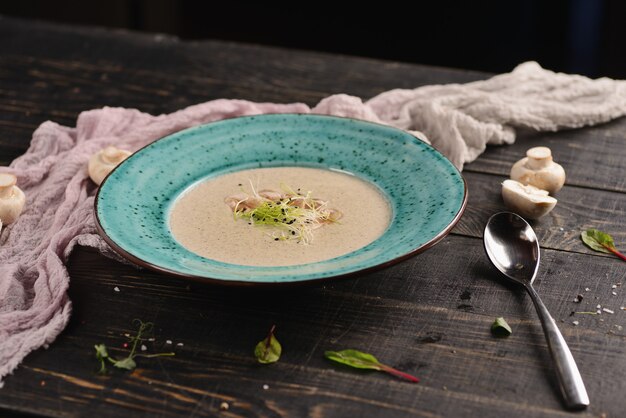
x: 570, y: 381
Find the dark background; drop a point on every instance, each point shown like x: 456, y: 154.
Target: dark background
x: 578, y: 36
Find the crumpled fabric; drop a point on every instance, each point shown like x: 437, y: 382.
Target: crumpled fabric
x: 458, y: 119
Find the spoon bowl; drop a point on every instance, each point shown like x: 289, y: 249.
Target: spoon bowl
x: 513, y: 248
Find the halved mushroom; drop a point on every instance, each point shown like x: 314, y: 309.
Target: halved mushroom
x: 12, y: 198
x: 526, y: 200
x: 104, y: 161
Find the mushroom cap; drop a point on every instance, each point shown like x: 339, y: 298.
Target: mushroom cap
x: 104, y: 161
x: 537, y: 169
x: 11, y: 204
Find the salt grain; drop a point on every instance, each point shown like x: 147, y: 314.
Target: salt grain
x: 608, y: 310
x: 578, y: 298
x: 266, y: 387
x: 143, y: 347
x: 575, y: 323
x: 117, y: 289
x: 168, y: 342
x: 614, y: 293
x: 151, y: 339
x: 179, y: 344
x: 587, y: 289
x: 224, y: 406
x: 599, y: 307
x: 614, y: 286
x: 598, y: 311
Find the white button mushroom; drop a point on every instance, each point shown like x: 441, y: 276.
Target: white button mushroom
x: 104, y: 161
x: 527, y: 200
x: 538, y: 169
x: 12, y: 199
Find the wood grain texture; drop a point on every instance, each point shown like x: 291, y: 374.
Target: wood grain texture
x: 426, y: 316
x: 593, y: 157
x: 578, y: 209
x: 429, y: 316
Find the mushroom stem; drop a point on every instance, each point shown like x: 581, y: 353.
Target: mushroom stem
x: 539, y: 157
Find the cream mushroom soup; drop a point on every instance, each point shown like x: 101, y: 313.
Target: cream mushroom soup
x: 202, y: 222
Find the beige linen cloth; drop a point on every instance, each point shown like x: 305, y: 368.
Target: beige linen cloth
x: 458, y: 119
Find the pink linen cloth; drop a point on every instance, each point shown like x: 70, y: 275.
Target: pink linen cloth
x: 460, y: 120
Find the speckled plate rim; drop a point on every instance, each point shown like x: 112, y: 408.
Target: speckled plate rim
x: 241, y: 283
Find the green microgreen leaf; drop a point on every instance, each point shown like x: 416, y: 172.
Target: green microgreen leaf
x: 269, y: 349
x: 101, y: 351
x: 101, y: 355
x: 361, y: 360
x: 290, y: 215
x: 500, y: 328
x: 127, y: 363
x: 600, y: 241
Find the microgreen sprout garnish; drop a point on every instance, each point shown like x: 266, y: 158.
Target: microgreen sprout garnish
x: 361, y: 360
x: 500, y: 328
x: 269, y: 349
x: 291, y: 214
x: 600, y: 241
x: 127, y: 363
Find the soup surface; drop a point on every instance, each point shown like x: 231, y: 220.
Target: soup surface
x: 201, y: 221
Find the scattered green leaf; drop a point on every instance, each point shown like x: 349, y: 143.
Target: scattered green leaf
x: 101, y: 355
x: 600, y: 241
x: 361, y: 360
x: 269, y: 349
x: 500, y: 328
x: 127, y: 363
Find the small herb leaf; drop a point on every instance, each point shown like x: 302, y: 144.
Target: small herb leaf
x: 101, y: 355
x: 500, y: 328
x: 601, y: 241
x: 354, y: 358
x: 128, y: 363
x: 597, y: 240
x: 361, y: 360
x: 101, y: 351
x: 268, y: 350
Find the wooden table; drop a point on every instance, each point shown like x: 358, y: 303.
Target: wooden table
x: 429, y: 315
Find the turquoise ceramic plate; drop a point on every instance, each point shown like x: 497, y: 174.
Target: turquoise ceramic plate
x: 426, y: 192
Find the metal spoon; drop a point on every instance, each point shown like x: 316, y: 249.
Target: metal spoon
x: 512, y: 246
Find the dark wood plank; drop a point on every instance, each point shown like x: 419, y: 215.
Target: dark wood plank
x: 577, y: 210
x: 426, y: 316
x: 592, y: 157
x: 54, y: 72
